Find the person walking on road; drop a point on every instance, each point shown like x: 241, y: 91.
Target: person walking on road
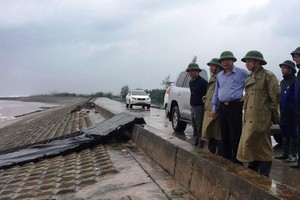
x: 260, y: 111
x: 228, y: 104
x: 296, y: 57
x: 288, y: 122
x: 198, y: 87
x: 211, y: 131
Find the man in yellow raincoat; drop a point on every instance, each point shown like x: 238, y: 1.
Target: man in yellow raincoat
x: 211, y: 131
x: 260, y: 111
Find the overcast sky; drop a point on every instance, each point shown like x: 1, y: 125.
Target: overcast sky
x: 101, y: 45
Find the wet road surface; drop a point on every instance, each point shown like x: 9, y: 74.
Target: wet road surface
x: 156, y: 118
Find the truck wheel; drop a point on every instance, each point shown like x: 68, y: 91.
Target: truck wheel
x: 130, y: 105
x: 177, y: 125
x: 127, y: 105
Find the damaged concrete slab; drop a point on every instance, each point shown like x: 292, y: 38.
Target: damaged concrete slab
x: 112, y: 128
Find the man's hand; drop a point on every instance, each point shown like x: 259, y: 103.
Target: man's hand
x: 214, y: 114
x: 203, y: 99
x: 242, y: 99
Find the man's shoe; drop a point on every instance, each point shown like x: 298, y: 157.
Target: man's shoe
x: 296, y: 165
x: 291, y: 158
x: 282, y: 157
x: 201, y: 144
x: 212, y: 148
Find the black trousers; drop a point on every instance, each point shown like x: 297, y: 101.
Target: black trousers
x: 297, y: 164
x: 231, y: 114
x: 197, y: 113
x: 262, y: 167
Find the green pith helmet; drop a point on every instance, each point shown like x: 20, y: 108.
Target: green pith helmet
x: 289, y: 64
x: 227, y: 55
x: 193, y: 65
x: 214, y: 61
x: 297, y: 51
x: 254, y: 55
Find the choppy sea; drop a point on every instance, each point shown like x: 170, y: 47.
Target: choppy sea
x: 9, y: 110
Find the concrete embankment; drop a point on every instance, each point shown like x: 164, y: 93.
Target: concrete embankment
x: 206, y: 176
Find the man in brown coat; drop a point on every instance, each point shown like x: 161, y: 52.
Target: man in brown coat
x: 211, y: 131
x: 260, y: 111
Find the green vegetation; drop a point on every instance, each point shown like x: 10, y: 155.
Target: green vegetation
x: 93, y: 95
x: 157, y: 95
x: 166, y: 82
x: 124, y: 91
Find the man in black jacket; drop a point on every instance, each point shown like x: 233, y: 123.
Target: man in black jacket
x: 296, y: 57
x: 198, y: 87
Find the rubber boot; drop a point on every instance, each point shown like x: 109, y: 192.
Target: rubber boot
x: 212, y: 145
x: 196, y: 140
x: 297, y: 164
x: 286, y: 149
x: 220, y: 148
x: 293, y: 150
x: 201, y: 144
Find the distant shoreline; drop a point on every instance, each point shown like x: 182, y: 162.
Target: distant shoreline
x: 44, y: 99
x: 58, y: 101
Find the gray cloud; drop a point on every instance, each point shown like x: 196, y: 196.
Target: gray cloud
x: 89, y: 46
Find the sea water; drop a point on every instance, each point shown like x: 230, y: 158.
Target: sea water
x: 9, y: 110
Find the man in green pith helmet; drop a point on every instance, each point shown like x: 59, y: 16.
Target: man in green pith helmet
x: 211, y: 128
x: 260, y: 111
x: 228, y: 104
x: 198, y: 87
x: 288, y: 122
x: 296, y: 57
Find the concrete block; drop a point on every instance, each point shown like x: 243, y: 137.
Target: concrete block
x: 105, y: 112
x: 184, y: 167
x: 160, y: 150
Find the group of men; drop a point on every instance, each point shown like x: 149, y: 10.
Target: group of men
x: 235, y: 109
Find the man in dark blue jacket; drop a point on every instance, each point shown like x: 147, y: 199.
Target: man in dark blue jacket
x: 288, y: 122
x: 198, y: 87
x: 296, y: 57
